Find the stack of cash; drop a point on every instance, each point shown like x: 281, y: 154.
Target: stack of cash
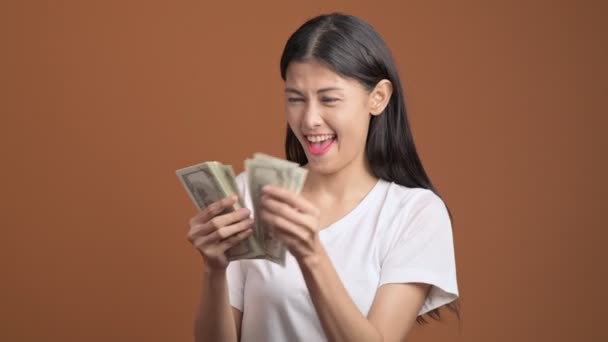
x: 211, y: 181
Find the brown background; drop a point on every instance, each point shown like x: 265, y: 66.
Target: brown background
x: 102, y: 101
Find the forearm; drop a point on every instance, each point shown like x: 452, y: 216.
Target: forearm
x: 339, y: 316
x: 214, y: 320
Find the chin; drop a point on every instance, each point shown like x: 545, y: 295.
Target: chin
x: 323, y: 167
x: 320, y: 168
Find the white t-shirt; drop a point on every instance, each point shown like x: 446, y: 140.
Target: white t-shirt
x: 394, y: 235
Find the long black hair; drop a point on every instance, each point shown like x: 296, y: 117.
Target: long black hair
x: 353, y: 49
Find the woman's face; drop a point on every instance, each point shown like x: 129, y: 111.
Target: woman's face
x: 329, y: 115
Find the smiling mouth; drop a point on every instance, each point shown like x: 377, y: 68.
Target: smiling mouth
x: 320, y: 144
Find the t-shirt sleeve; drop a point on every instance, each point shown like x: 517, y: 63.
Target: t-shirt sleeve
x: 422, y: 251
x: 235, y: 277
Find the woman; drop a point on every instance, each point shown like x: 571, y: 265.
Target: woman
x: 370, y: 243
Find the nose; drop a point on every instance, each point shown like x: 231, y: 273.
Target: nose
x: 312, y: 116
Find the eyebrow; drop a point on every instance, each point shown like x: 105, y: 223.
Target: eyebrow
x: 322, y: 90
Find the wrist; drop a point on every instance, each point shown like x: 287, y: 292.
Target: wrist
x: 314, y: 260
x: 213, y: 274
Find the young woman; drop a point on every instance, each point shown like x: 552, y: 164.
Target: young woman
x: 370, y: 242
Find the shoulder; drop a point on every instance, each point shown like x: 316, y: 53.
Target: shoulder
x: 410, y: 212
x: 412, y: 201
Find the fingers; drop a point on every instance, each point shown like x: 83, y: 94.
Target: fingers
x: 213, y: 231
x: 220, y: 235
x: 291, y: 198
x: 288, y: 239
x: 283, y: 226
x: 218, y: 222
x: 235, y: 239
x: 284, y: 210
x: 228, y: 219
x: 289, y: 215
x: 226, y: 232
x: 213, y: 210
x: 209, y: 220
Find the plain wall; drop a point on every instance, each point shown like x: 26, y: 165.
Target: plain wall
x: 101, y: 101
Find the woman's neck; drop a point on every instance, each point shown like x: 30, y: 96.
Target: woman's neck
x: 350, y: 183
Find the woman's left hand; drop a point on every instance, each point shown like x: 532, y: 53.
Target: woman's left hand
x: 293, y: 220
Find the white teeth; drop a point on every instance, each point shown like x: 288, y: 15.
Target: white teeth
x: 319, y: 138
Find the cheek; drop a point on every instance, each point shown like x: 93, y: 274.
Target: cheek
x: 292, y: 113
x: 293, y: 119
x: 354, y: 126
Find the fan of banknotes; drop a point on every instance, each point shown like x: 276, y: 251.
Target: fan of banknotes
x: 211, y: 181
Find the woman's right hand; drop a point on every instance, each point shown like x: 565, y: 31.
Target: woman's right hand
x: 213, y: 234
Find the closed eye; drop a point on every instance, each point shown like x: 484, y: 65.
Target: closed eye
x: 295, y: 99
x: 329, y: 99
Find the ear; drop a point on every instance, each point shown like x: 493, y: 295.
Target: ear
x: 380, y: 96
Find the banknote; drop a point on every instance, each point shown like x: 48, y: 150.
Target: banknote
x: 211, y: 181
x: 206, y: 183
x: 267, y: 170
x: 261, y: 174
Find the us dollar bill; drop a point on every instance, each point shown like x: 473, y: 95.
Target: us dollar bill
x: 260, y: 174
x: 212, y: 181
x: 267, y: 170
x: 274, y: 160
x: 231, y: 178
